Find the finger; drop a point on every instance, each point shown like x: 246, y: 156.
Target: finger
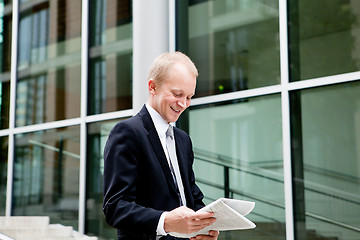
x: 198, y: 227
x: 205, y: 237
x: 214, y: 233
x: 212, y: 236
x: 207, y: 219
x: 203, y: 222
x: 203, y: 215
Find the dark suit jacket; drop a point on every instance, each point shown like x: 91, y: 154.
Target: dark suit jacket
x: 138, y: 185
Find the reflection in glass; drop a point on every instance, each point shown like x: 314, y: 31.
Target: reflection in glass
x: 5, y: 62
x: 110, y: 76
x: 95, y: 220
x: 49, y: 61
x: 234, y: 44
x: 323, y: 38
x: 4, y: 104
x: 31, y: 101
x: 326, y: 160
x: 5, y: 38
x: 46, y: 175
x: 3, y: 173
x: 240, y: 146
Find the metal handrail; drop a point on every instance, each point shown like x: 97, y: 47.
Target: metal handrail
x: 229, y: 161
x: 229, y: 191
x: 230, y: 165
x: 308, y: 214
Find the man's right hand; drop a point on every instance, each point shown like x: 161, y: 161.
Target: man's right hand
x: 185, y: 220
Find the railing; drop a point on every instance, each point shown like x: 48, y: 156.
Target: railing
x: 234, y: 164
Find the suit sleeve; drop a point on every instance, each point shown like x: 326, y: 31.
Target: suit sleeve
x: 120, y: 176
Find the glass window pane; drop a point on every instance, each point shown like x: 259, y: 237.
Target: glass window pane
x: 46, y: 175
x: 5, y: 39
x: 326, y: 160
x: 5, y: 62
x: 238, y: 154
x: 3, y: 173
x: 234, y: 44
x: 323, y: 38
x: 4, y: 104
x: 95, y: 219
x: 110, y: 75
x: 49, y: 63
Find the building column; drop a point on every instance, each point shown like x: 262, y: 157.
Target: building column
x: 150, y: 38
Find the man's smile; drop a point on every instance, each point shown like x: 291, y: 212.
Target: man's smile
x: 175, y: 109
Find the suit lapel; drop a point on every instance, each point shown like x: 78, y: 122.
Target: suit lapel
x: 156, y: 144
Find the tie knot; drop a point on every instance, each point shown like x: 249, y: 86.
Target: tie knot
x: 170, y: 132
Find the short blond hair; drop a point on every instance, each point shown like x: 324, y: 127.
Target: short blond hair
x: 161, y: 66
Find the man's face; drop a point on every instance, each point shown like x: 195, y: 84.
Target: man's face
x: 173, y: 96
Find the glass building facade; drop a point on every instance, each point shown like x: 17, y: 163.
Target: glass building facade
x: 275, y: 118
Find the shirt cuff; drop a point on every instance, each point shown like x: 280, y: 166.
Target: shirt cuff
x: 160, y: 228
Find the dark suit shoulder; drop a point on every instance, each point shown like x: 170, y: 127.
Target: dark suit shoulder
x: 125, y: 136
x: 132, y: 123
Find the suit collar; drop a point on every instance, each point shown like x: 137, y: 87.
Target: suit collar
x: 160, y: 124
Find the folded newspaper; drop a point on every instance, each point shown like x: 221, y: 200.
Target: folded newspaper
x: 229, y: 214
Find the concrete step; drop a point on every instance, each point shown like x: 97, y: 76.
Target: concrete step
x: 77, y: 235
x: 37, y: 228
x: 24, y: 222
x: 4, y: 237
x: 64, y: 238
x: 50, y: 231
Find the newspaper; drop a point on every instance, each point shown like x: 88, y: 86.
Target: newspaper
x: 229, y: 214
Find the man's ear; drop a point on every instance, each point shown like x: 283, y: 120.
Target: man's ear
x: 152, y: 87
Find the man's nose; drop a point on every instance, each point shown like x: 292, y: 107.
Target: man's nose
x: 182, y: 103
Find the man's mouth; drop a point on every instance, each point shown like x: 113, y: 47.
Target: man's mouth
x: 175, y: 109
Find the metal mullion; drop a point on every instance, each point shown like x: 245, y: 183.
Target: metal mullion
x: 110, y: 116
x: 84, y: 94
x: 236, y: 95
x: 4, y: 133
x: 47, y: 126
x: 172, y: 26
x: 285, y: 110
x: 13, y: 76
x: 324, y: 81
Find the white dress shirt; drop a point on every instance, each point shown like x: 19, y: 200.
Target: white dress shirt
x: 161, y: 127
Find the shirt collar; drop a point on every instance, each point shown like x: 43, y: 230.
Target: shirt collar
x: 160, y: 124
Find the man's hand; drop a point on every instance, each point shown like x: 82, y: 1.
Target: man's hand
x: 213, y: 235
x: 185, y: 220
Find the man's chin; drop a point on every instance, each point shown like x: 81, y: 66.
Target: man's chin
x: 173, y: 118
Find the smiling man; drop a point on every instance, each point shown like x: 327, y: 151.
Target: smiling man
x: 149, y: 183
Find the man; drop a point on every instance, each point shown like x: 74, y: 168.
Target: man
x: 147, y: 192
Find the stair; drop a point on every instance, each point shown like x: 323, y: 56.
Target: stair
x: 37, y: 228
